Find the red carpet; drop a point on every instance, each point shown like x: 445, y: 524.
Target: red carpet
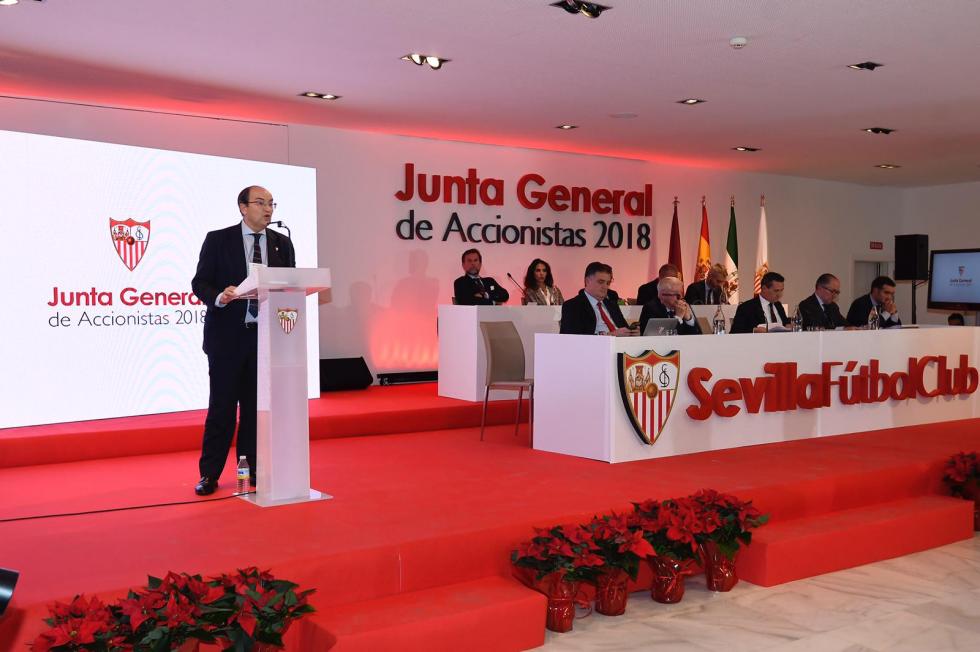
x: 427, y: 518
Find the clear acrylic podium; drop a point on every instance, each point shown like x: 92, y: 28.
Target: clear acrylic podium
x: 283, y: 419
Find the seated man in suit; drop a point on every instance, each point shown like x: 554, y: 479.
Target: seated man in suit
x: 670, y: 304
x: 881, y: 299
x: 820, y: 310
x: 710, y: 291
x: 761, y: 312
x: 595, y: 310
x: 648, y: 291
x: 471, y: 289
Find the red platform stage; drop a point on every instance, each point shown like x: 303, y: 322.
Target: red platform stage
x: 413, y: 550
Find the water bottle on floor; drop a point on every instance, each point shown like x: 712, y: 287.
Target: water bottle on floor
x: 243, y: 475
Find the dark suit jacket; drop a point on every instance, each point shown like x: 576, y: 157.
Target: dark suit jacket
x: 857, y: 315
x: 749, y: 314
x: 579, y: 318
x: 696, y: 292
x: 813, y: 314
x: 646, y: 292
x: 656, y: 310
x: 465, y: 288
x: 222, y: 263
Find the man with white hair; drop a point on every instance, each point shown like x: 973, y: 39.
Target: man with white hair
x: 670, y: 304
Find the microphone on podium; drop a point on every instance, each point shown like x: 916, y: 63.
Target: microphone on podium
x: 289, y: 234
x: 519, y: 286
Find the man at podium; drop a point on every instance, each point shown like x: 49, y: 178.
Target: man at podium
x: 231, y: 329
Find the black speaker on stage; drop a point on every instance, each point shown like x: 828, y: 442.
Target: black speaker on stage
x: 912, y: 257
x: 344, y: 373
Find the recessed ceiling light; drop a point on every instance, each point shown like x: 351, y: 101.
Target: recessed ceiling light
x: 865, y: 65
x: 567, y: 127
x: 430, y: 60
x: 888, y: 166
x: 878, y: 130
x: 7, y: 3
x: 589, y: 9
x: 742, y: 148
x: 691, y: 101
x: 320, y: 96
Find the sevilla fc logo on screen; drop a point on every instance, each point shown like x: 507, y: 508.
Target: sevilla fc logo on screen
x: 287, y: 318
x: 648, y: 385
x: 130, y: 238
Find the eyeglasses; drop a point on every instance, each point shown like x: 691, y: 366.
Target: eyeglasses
x: 831, y: 290
x: 263, y: 203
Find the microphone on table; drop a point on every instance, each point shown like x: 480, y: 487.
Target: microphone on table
x: 519, y: 286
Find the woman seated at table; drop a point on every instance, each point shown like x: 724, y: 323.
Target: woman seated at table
x: 540, y: 286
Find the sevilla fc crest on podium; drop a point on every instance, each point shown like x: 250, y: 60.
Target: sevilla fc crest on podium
x: 648, y: 385
x: 287, y: 318
x: 130, y: 238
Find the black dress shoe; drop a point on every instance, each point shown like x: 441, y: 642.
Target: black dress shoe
x: 206, y: 486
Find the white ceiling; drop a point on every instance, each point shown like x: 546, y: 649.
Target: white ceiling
x: 519, y: 67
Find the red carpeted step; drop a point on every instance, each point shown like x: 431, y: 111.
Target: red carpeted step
x: 492, y: 613
x: 783, y: 551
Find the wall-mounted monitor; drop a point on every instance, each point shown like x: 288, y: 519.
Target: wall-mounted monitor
x: 954, y: 279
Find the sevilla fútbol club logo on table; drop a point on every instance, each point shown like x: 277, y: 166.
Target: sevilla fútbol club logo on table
x: 287, y: 318
x: 130, y: 238
x: 648, y: 384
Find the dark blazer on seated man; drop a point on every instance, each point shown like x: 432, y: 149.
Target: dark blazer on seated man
x: 466, y: 288
x: 749, y: 314
x: 656, y: 310
x: 825, y: 316
x: 579, y: 318
x: 647, y: 292
x: 858, y: 313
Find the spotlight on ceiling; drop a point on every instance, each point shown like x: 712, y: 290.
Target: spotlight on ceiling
x: 888, y: 166
x: 691, y: 101
x: 742, y: 148
x: 566, y: 127
x: 590, y: 9
x: 865, y: 65
x: 430, y: 60
x: 878, y: 130
x: 8, y: 580
x: 319, y: 96
x: 7, y: 3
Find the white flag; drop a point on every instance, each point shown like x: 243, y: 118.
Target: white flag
x: 762, y: 251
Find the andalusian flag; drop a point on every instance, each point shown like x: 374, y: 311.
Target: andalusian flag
x: 704, y: 247
x: 731, y: 259
x: 674, y: 253
x: 762, y: 252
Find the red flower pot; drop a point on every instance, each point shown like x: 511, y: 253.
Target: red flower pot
x: 611, y: 592
x: 668, y: 579
x: 561, y: 601
x: 972, y: 492
x: 719, y: 570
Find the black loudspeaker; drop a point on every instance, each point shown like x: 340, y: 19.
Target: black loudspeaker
x: 912, y: 257
x: 344, y: 373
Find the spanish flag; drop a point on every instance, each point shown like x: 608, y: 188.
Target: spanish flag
x: 704, y: 246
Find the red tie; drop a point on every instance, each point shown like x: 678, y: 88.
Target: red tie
x: 605, y: 318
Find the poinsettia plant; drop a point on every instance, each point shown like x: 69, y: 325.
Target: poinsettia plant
x: 728, y: 520
x: 566, y: 549
x: 619, y: 541
x: 672, y: 526
x: 257, y: 607
x: 962, y: 474
x: 234, y: 610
